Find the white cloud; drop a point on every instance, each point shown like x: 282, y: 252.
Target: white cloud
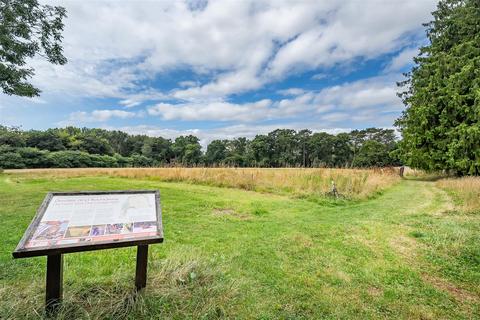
x: 335, y: 117
x: 291, y: 91
x: 368, y: 96
x: 221, y: 111
x: 371, y: 92
x: 319, y: 76
x: 129, y: 103
x: 103, y: 115
x: 355, y: 29
x: 187, y: 83
x: 241, y: 45
x: 403, y: 59
x: 137, y: 99
x: 97, y: 116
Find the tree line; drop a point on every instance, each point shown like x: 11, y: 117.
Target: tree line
x: 73, y: 147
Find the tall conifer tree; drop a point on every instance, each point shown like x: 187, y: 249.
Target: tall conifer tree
x: 441, y: 125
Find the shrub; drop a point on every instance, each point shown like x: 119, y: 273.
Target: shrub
x: 34, y: 158
x: 10, y: 159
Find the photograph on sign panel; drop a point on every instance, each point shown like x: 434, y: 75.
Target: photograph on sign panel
x: 127, y: 228
x: 98, y: 230
x: 49, y: 230
x: 115, y: 228
x: 73, y: 232
x: 147, y: 226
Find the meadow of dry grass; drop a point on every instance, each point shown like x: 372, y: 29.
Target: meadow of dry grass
x: 466, y: 192
x: 350, y: 183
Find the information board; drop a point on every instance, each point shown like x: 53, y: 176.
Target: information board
x: 68, y: 220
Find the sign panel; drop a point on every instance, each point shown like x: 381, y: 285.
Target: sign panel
x: 88, y: 218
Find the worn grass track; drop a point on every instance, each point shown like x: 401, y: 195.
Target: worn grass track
x: 238, y: 254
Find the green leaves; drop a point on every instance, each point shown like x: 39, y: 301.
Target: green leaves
x: 27, y: 29
x: 441, y: 123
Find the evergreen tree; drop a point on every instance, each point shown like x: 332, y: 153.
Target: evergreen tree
x: 441, y: 125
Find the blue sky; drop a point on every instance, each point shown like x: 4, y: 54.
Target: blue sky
x: 222, y: 69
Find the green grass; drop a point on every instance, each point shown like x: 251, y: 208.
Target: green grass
x: 236, y: 254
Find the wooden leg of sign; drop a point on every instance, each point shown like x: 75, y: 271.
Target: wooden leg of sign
x: 54, y: 287
x: 141, y: 270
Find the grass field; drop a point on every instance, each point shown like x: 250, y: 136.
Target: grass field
x: 465, y: 191
x: 402, y: 251
x: 351, y: 183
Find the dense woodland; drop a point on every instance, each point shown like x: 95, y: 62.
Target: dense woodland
x: 72, y: 147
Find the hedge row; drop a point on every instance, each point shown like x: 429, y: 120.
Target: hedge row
x: 20, y: 158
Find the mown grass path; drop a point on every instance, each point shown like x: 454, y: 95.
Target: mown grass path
x: 236, y: 254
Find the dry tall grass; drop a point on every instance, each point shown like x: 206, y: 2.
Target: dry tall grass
x: 465, y: 190
x: 351, y: 183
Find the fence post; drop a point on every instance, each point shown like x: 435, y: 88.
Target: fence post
x: 334, y: 189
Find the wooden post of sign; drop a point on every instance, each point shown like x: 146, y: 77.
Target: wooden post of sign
x: 141, y: 270
x: 402, y: 170
x: 54, y: 287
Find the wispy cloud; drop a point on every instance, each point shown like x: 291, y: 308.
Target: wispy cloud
x: 403, y: 59
x: 374, y: 94
x: 80, y: 117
